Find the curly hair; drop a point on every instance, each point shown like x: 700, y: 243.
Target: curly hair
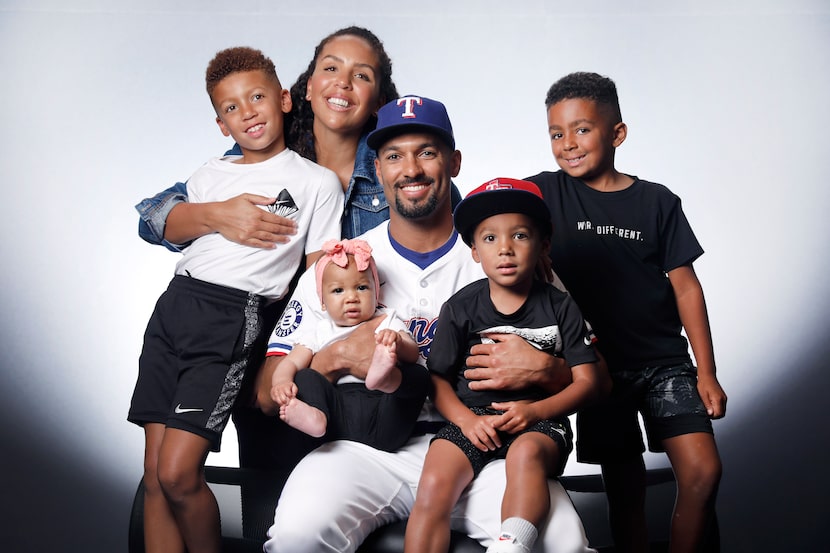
x: 237, y: 59
x: 300, y: 136
x: 587, y: 86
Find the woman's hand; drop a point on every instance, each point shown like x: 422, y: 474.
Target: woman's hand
x: 240, y: 220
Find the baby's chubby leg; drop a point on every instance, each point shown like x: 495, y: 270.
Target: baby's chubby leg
x: 383, y: 373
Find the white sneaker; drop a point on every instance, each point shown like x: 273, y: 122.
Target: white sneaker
x: 507, y: 544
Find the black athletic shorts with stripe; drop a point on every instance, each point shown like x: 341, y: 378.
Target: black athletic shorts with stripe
x: 199, y: 343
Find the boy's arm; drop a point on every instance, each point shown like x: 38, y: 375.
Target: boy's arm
x: 591, y: 383
x: 311, y: 258
x: 693, y: 315
x: 511, y: 363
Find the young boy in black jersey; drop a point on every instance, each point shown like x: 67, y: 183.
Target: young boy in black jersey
x: 506, y: 223
x: 624, y: 250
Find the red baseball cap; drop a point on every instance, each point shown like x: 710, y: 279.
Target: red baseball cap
x: 501, y: 195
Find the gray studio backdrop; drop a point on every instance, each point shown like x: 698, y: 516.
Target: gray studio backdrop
x: 103, y: 104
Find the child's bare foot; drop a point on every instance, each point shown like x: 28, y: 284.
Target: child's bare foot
x: 383, y: 373
x: 305, y: 418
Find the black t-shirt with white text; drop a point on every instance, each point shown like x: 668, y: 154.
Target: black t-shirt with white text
x: 613, y: 251
x: 549, y: 319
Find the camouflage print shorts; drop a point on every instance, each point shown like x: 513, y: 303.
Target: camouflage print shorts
x: 666, y: 397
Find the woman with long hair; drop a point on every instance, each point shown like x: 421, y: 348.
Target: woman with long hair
x: 335, y: 103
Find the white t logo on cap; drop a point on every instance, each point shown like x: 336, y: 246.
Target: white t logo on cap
x: 496, y: 184
x: 409, y: 102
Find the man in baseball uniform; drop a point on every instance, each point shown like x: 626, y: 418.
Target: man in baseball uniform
x: 342, y: 491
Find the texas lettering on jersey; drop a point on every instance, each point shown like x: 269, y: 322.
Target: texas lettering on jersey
x: 423, y: 330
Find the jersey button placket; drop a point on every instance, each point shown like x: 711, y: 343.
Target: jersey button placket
x: 423, y: 301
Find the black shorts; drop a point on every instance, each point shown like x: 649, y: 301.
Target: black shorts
x: 666, y: 397
x: 382, y: 420
x: 559, y: 430
x: 200, y: 341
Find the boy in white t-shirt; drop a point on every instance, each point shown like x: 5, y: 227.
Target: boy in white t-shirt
x: 208, y: 326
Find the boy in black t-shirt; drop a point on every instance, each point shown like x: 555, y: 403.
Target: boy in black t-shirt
x: 624, y: 250
x: 506, y: 222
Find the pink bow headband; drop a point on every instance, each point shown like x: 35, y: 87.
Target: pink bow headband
x: 338, y: 251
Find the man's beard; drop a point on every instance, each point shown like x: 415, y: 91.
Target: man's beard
x: 417, y: 211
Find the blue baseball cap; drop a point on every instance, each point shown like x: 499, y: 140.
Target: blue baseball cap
x: 411, y: 114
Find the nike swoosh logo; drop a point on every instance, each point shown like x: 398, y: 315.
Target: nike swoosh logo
x: 179, y: 410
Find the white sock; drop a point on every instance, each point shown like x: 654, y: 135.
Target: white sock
x: 520, y: 530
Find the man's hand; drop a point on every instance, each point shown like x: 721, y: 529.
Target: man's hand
x: 351, y: 355
x: 511, y: 363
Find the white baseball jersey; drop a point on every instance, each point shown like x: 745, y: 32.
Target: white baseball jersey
x: 305, y: 192
x: 382, y: 484
x: 415, y: 294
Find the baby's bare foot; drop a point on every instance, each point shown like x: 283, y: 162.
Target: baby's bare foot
x: 305, y: 418
x: 383, y: 373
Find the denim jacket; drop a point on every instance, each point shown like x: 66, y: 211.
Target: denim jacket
x: 365, y: 205
x: 153, y: 213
